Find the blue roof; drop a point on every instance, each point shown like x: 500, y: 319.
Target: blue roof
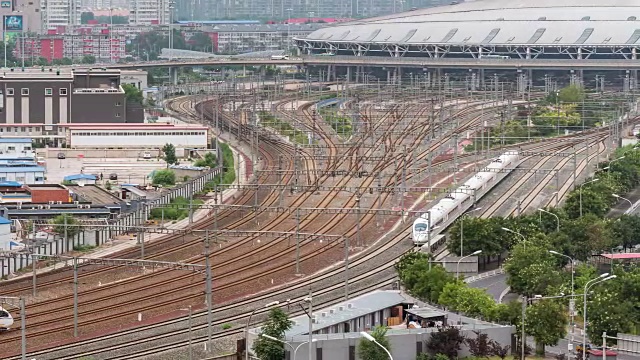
x: 80, y: 176
x: 4, y: 221
x: 10, y: 184
x: 15, y: 140
x: 19, y: 169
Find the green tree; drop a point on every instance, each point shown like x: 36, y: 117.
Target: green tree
x: 170, y: 154
x: 531, y: 270
x: 88, y: 59
x: 625, y: 231
x: 588, y: 235
x: 547, y: 322
x: 367, y: 350
x: 275, y: 326
x: 67, y: 221
x: 132, y: 94
x: 86, y: 16
x: 201, y: 42
x: 164, y: 177
x: 209, y: 160
x: 479, y: 234
x: 571, y: 94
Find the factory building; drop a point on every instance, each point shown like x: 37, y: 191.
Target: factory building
x: 16, y: 148
x: 36, y: 102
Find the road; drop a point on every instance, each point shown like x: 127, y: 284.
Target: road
x: 494, y: 285
x: 444, y: 63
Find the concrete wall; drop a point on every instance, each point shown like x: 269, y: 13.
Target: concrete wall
x: 628, y: 344
x: 98, y: 108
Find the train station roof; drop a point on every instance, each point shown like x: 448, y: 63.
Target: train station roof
x: 499, y: 22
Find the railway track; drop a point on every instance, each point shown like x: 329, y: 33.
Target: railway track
x: 349, y: 202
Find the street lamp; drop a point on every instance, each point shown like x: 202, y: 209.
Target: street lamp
x: 462, y: 258
x: 295, y: 351
x: 517, y: 233
x: 580, y: 191
x: 462, y: 228
x: 246, y: 330
x: 550, y: 213
x: 602, y: 278
x: 373, y: 340
x: 572, y: 301
x: 620, y: 197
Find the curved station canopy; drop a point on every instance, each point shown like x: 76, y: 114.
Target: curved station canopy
x: 499, y: 29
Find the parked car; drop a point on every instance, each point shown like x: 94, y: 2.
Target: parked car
x: 61, y: 156
x: 113, y: 176
x: 146, y: 155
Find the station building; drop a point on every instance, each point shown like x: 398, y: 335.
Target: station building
x: 35, y: 102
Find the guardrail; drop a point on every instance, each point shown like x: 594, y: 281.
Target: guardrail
x: 484, y: 275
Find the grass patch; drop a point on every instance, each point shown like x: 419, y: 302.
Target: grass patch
x: 228, y: 175
x: 283, y: 128
x: 339, y: 123
x: 178, y: 209
x: 83, y: 248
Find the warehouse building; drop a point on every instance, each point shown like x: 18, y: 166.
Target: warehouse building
x: 141, y: 136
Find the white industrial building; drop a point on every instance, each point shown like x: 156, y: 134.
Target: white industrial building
x: 14, y: 148
x: 22, y: 173
x: 138, y: 136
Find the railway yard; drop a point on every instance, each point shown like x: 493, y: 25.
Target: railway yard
x: 330, y: 215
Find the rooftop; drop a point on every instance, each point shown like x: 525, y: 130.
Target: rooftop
x: 344, y: 311
x: 95, y: 194
x: 4, y: 140
x: 499, y: 22
x: 20, y: 169
x: 80, y: 176
x: 4, y: 221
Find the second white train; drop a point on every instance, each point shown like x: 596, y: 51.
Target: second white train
x: 462, y: 197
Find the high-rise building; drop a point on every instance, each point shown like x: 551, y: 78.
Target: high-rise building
x: 146, y: 12
x: 60, y: 13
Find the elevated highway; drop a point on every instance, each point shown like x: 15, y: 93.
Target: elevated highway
x: 400, y: 62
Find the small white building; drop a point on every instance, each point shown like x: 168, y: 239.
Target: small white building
x: 16, y: 148
x: 137, y: 136
x: 81, y: 179
x: 138, y: 78
x: 24, y: 174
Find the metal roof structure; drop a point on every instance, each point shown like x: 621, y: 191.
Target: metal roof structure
x: 517, y: 29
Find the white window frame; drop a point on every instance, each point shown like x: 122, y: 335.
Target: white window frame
x: 10, y: 92
x: 63, y: 91
x: 24, y: 91
x: 48, y: 91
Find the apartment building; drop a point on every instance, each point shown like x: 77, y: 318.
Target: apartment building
x: 101, y: 45
x: 60, y: 13
x: 247, y: 38
x: 149, y: 12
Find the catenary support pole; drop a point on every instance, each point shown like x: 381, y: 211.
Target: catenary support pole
x: 209, y: 291
x: 75, y: 297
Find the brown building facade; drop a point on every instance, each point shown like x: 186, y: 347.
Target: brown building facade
x: 42, y: 99
x: 47, y: 194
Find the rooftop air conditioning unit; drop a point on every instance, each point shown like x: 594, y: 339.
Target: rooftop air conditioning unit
x: 87, y: 206
x: 332, y: 311
x: 51, y: 202
x: 48, y: 207
x: 76, y: 202
x: 59, y: 202
x: 19, y: 205
x: 80, y: 206
x: 324, y: 314
x: 349, y: 306
x: 40, y: 207
x: 341, y: 308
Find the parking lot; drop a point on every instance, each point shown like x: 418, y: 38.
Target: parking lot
x: 129, y: 171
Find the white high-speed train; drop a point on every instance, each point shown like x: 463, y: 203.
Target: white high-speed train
x: 461, y: 198
x: 6, y: 320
